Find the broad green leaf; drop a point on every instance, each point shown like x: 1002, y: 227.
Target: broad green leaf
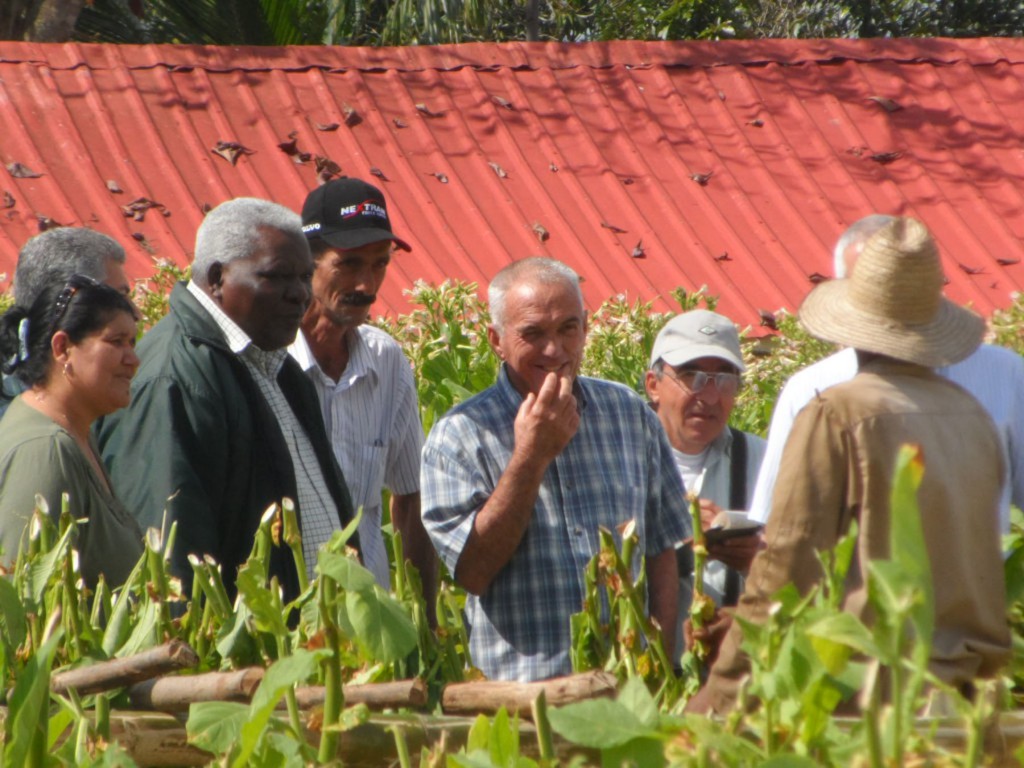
x: 60, y: 722
x: 267, y: 616
x: 234, y: 639
x: 382, y: 628
x: 479, y: 735
x: 598, y: 723
x: 12, y: 614
x: 832, y: 655
x: 44, y: 568
x: 216, y: 725
x: 284, y: 751
x: 906, y: 538
x: 349, y: 574
x: 644, y: 752
x: 1014, y: 570
x: 504, y: 746
x: 711, y: 735
x: 143, y: 634
x: 25, y: 729
x: 843, y: 628
x: 638, y: 700
x: 280, y: 676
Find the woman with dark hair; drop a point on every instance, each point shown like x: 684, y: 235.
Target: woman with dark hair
x: 75, y: 350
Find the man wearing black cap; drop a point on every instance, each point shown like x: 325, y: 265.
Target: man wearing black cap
x: 364, y: 381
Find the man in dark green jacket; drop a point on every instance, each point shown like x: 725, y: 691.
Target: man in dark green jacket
x: 223, y: 423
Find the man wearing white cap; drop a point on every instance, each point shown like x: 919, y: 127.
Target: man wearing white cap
x: 695, y: 374
x: 838, y: 464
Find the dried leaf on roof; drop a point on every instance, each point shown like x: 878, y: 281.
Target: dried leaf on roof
x: 768, y: 319
x: 439, y: 176
x: 723, y: 256
x: 8, y: 200
x: 1007, y: 262
x: 886, y: 157
x: 638, y: 250
x: 398, y: 123
x: 756, y: 123
x: 552, y: 167
x: 19, y: 171
x: 231, y: 150
x: 352, y: 116
x: 702, y: 178
x: 427, y: 111
x: 45, y: 222
x: 290, y: 147
x: 542, y: 233
x: 613, y: 228
x: 498, y: 170
x: 114, y: 187
x: 137, y: 208
x: 327, y: 126
x: 627, y: 180
x: 889, y: 105
x: 967, y: 269
x: 326, y: 169
x: 817, y: 277
x: 503, y: 102
x: 375, y: 171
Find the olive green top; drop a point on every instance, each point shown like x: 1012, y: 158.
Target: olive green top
x: 38, y: 456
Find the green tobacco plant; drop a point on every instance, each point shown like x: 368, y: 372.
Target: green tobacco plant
x: 613, y: 631
x: 445, y: 338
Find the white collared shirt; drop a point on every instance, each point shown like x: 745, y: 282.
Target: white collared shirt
x: 317, y: 511
x: 995, y: 376
x: 372, y: 419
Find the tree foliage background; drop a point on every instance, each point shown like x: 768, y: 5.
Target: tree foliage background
x: 410, y: 22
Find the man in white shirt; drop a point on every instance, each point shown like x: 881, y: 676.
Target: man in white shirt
x: 995, y: 376
x: 364, y: 380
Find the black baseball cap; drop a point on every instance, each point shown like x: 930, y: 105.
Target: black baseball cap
x: 347, y: 214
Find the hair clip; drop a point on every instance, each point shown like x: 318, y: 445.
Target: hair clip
x: 23, y: 330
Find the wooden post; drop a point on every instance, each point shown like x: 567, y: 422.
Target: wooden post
x: 488, y: 696
x: 399, y: 694
x: 117, y: 673
x: 175, y: 694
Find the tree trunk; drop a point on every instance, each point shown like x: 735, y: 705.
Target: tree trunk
x: 532, y: 21
x: 54, y: 21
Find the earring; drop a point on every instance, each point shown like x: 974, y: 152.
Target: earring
x: 67, y: 367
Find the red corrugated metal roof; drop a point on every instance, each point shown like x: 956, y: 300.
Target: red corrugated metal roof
x: 792, y: 132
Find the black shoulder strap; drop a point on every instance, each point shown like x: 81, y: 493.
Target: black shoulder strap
x: 738, y: 471
x: 737, y: 500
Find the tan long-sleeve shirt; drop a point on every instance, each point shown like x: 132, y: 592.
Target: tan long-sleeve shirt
x: 838, y: 465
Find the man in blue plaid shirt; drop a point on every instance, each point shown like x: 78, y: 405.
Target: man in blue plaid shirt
x: 517, y: 480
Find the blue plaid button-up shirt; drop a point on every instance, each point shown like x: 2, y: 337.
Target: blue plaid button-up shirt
x: 617, y: 466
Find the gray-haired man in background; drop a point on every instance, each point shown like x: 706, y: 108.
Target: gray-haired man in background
x: 53, y: 257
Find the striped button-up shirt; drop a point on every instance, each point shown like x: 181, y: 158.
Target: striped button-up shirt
x: 373, y: 422
x: 618, y: 466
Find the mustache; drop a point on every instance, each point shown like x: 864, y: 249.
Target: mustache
x: 358, y: 299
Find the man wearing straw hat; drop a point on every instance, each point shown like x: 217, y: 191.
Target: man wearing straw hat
x: 838, y: 463
x: 994, y: 375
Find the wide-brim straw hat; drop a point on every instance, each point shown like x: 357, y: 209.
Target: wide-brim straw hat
x: 892, y: 302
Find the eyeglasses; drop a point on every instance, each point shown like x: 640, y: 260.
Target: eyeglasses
x: 695, y: 381
x: 74, y: 284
